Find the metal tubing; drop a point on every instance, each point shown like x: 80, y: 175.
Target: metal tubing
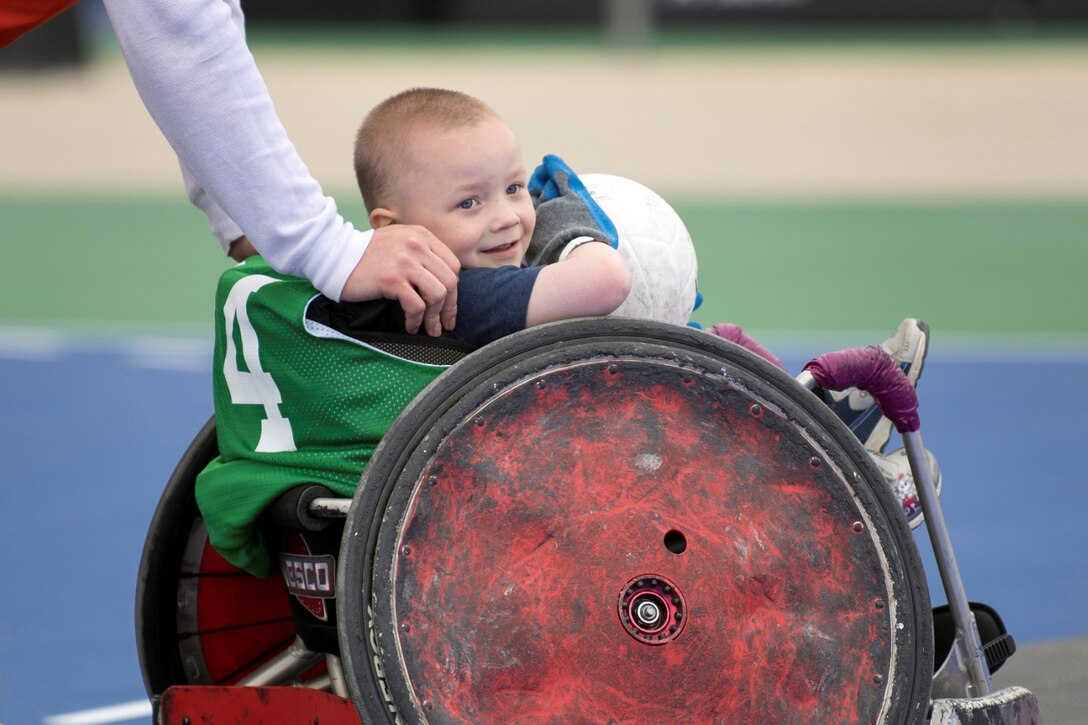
x: 287, y: 666
x: 336, y: 676
x: 330, y: 507
x: 941, y: 542
x: 321, y: 682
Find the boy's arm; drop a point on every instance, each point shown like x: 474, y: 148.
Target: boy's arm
x: 592, y: 280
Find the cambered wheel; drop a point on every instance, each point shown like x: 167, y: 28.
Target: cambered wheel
x: 199, y: 620
x: 614, y: 521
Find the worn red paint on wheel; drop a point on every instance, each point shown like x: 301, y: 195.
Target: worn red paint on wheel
x: 522, y: 535
x: 185, y: 705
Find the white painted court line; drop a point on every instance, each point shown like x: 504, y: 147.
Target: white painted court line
x: 945, y: 347
x: 175, y: 354
x: 100, y: 715
x: 30, y: 343
x: 171, y: 353
x: 193, y: 353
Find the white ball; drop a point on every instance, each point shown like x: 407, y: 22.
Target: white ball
x: 656, y: 246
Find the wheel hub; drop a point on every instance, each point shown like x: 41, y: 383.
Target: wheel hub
x: 652, y: 609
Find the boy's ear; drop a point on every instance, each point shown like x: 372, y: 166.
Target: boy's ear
x: 382, y: 217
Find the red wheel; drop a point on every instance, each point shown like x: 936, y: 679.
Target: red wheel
x: 608, y: 521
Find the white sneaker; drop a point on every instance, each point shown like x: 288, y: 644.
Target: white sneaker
x: 908, y: 347
x: 897, y: 473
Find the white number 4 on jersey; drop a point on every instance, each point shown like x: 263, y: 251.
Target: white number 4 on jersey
x: 255, y: 387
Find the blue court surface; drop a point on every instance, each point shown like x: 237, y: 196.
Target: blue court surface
x: 90, y: 430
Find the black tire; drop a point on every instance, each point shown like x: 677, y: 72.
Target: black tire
x: 389, y: 616
x: 160, y: 564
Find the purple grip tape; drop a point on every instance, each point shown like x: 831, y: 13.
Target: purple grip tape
x: 733, y: 333
x: 872, y: 369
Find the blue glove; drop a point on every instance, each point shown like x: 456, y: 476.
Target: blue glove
x: 564, y: 212
x: 698, y: 304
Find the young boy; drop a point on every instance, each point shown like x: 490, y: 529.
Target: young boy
x: 447, y: 162
x: 304, y: 387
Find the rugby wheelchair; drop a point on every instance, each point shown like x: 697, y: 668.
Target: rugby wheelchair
x: 590, y: 521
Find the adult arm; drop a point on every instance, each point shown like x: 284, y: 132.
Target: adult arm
x: 220, y: 224
x: 193, y: 70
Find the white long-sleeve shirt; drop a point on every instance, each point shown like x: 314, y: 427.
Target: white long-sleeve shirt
x: 196, y: 76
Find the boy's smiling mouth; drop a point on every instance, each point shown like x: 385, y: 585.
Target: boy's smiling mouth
x: 501, y: 248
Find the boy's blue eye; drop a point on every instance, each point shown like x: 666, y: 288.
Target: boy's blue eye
x: 513, y: 189
x: 467, y: 204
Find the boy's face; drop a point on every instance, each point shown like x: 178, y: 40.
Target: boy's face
x: 467, y: 186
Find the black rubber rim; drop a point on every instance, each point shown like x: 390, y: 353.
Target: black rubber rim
x: 160, y: 564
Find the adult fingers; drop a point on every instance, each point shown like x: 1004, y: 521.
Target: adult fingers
x: 429, y: 269
x: 441, y: 312
x: 409, y: 264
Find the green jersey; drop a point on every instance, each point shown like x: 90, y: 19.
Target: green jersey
x: 296, y: 401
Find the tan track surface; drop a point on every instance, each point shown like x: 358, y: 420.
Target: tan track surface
x: 867, y: 121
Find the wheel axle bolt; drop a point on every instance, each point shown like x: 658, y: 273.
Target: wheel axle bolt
x: 648, y: 613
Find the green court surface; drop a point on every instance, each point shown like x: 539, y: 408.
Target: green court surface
x: 989, y: 268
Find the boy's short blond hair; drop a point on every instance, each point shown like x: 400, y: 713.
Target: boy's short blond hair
x: 385, y: 133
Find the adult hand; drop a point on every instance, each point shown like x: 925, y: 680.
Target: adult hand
x: 241, y: 249
x: 407, y: 263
